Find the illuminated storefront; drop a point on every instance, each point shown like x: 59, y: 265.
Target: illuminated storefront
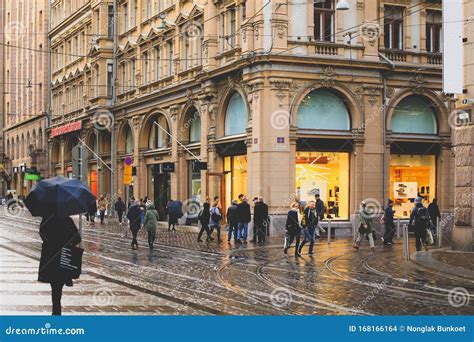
x: 413, y: 160
x: 411, y: 176
x: 323, y: 164
x: 235, y: 169
x: 326, y: 174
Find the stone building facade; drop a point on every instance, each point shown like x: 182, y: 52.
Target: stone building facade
x: 25, y: 72
x: 463, y: 233
x: 282, y: 99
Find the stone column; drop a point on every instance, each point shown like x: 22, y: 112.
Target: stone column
x: 463, y: 232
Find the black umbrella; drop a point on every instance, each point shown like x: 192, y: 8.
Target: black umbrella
x: 59, y: 196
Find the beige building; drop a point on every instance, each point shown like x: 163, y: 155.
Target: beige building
x: 82, y: 88
x: 283, y: 99
x: 25, y: 75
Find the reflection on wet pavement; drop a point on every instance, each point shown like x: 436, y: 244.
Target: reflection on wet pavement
x: 182, y: 276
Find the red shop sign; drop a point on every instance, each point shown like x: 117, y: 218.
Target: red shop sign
x: 70, y: 127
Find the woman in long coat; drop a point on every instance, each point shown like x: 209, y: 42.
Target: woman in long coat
x: 56, y: 233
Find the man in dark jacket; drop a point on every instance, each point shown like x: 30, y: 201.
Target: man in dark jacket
x: 419, y: 218
x: 243, y: 210
x: 293, y: 229
x: 434, y: 212
x: 134, y: 217
x: 260, y: 219
x: 120, y: 208
x: 92, y: 210
x: 389, y: 224
x: 233, y: 221
x: 204, y: 218
x: 311, y: 220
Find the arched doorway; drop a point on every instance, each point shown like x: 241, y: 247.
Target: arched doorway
x: 413, y: 160
x: 323, y: 151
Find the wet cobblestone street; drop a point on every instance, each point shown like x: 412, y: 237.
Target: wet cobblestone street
x: 184, y: 277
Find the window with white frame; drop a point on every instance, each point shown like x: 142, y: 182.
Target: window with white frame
x: 393, y: 27
x: 324, y: 20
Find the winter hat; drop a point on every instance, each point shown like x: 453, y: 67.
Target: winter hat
x: 390, y: 201
x: 418, y: 200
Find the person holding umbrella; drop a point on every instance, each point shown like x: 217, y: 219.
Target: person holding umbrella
x: 55, y: 200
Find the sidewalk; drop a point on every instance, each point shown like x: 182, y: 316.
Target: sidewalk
x: 447, y: 261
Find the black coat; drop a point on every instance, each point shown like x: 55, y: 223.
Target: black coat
x: 433, y: 210
x: 320, y: 208
x: 233, y: 214
x: 120, y: 206
x: 311, y: 218
x: 204, y: 216
x: 93, y: 208
x: 134, y: 216
x: 243, y: 210
x: 292, y: 224
x: 56, y: 233
x: 260, y: 214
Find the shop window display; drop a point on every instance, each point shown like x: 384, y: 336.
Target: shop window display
x: 410, y: 177
x: 235, y: 169
x: 326, y: 173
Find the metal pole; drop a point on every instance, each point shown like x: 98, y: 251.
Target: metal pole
x: 439, y: 233
x: 406, y: 245
x: 398, y: 229
x: 329, y: 231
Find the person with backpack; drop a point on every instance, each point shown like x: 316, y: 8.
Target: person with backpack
x: 389, y: 224
x: 320, y: 209
x: 151, y: 223
x: 366, y: 227
x: 216, y: 218
x: 204, y: 218
x: 420, y: 221
x: 233, y: 221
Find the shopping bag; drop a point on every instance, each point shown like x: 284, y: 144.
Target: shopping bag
x: 429, y: 237
x: 70, y: 261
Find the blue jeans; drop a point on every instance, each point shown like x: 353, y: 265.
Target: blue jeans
x: 233, y: 227
x: 309, y: 234
x: 243, y: 230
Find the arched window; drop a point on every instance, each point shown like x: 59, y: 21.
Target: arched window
x: 236, y: 116
x: 414, y: 115
x: 194, y: 126
x: 128, y: 140
x: 158, y: 137
x: 40, y: 139
x: 324, y: 110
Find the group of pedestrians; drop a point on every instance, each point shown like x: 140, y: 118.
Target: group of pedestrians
x: 238, y: 217
x: 422, y: 220
x: 304, y: 221
x: 102, y: 208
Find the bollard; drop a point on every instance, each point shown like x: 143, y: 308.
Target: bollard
x: 406, y: 245
x: 354, y: 229
x: 398, y: 229
x: 439, y: 233
x: 329, y: 231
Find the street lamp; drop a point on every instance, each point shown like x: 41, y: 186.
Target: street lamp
x: 342, y: 5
